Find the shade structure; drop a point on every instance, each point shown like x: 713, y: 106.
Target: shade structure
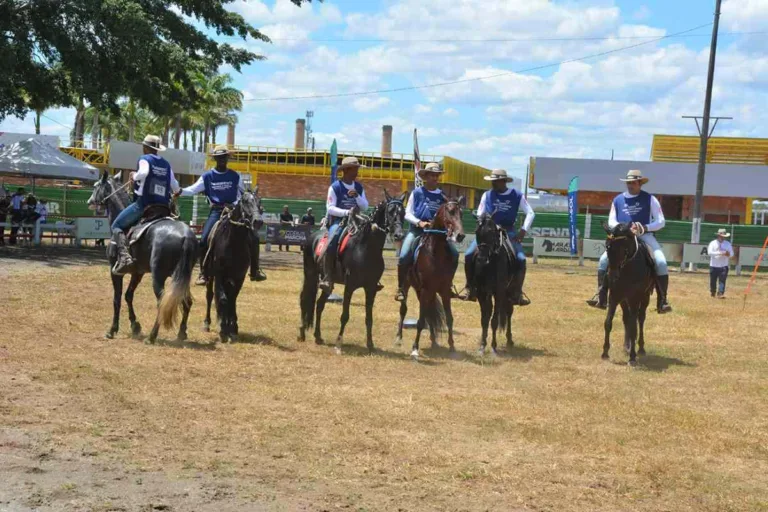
x: 35, y: 159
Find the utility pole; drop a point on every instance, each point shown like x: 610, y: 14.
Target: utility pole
x: 310, y: 140
x: 696, y: 234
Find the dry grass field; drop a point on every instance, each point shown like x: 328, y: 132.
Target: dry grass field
x: 272, y: 424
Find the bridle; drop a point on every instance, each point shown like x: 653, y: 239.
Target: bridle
x: 445, y: 214
x: 103, y: 202
x: 399, y: 206
x: 611, y: 237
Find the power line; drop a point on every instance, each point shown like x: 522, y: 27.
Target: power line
x: 55, y: 121
x: 477, y: 79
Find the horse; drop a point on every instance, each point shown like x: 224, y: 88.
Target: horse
x: 228, y: 260
x: 432, y: 274
x: 495, y: 269
x: 167, y: 248
x: 631, y: 280
x: 360, y: 265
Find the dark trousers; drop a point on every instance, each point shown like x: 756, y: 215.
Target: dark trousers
x: 3, y: 216
x: 717, y: 275
x: 16, y: 219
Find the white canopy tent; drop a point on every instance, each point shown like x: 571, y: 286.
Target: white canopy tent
x: 35, y: 159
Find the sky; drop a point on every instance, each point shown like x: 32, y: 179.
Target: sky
x: 576, y: 104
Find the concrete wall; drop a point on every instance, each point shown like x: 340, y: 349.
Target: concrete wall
x: 316, y: 187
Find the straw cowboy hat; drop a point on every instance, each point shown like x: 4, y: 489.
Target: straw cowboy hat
x: 349, y: 162
x: 723, y: 233
x: 431, y: 167
x: 498, y: 175
x: 635, y: 175
x: 220, y: 150
x: 154, y: 142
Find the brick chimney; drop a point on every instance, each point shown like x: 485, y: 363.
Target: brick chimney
x: 386, y: 140
x: 301, y: 125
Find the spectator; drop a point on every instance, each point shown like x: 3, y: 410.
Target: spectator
x: 308, y: 219
x: 17, y: 201
x: 5, y: 205
x: 286, y: 219
x: 720, y: 252
x: 42, y: 210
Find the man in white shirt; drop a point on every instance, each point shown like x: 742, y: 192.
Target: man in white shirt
x: 720, y: 251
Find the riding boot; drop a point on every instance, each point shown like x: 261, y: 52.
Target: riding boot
x: 469, y: 293
x: 518, y: 297
x: 256, y: 273
x: 600, y: 299
x: 124, y: 263
x: 326, y: 279
x: 662, y: 305
x: 402, y: 276
x: 201, y: 279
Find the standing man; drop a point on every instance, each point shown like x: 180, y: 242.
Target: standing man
x: 643, y: 212
x: 286, y: 219
x: 422, y: 206
x: 17, y: 213
x: 308, y: 219
x: 344, y: 195
x: 720, y: 251
x: 155, y: 181
x: 502, y: 203
x: 222, y: 186
x: 5, y: 204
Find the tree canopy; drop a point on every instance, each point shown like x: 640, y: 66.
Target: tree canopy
x: 101, y: 50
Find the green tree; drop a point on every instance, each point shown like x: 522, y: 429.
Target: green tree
x: 102, y: 50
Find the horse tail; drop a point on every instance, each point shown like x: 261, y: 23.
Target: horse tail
x: 308, y: 296
x: 434, y: 314
x: 178, y: 292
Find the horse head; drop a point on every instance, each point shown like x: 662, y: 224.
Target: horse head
x: 395, y: 214
x: 250, y: 208
x: 620, y: 244
x: 448, y: 217
x: 488, y: 240
x: 108, y: 191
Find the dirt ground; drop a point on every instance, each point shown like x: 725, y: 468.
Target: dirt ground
x: 271, y: 424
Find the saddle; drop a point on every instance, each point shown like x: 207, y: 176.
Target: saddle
x: 152, y: 214
x: 648, y: 254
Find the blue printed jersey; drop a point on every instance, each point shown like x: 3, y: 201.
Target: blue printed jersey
x: 426, y: 203
x: 633, y: 209
x: 157, y: 184
x: 221, y: 187
x: 503, y: 207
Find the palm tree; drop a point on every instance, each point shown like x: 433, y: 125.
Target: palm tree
x: 217, y: 99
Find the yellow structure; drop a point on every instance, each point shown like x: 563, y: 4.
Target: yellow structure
x: 720, y: 150
x: 96, y: 157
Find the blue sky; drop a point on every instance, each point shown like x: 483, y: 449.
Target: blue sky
x: 577, y: 109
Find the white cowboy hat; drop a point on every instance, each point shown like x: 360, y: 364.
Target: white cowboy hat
x: 220, y: 150
x: 723, y: 233
x: 349, y: 162
x: 154, y: 142
x: 497, y: 175
x: 635, y: 175
x: 433, y: 167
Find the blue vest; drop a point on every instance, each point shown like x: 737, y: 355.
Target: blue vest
x: 426, y: 203
x: 157, y: 184
x: 343, y: 201
x: 503, y: 207
x: 633, y: 209
x: 221, y: 187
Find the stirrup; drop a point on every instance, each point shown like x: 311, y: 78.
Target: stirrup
x: 122, y: 269
x: 664, y: 308
x: 595, y: 302
x: 201, y: 280
x: 379, y: 287
x: 259, y: 276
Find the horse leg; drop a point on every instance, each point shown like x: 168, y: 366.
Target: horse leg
x: 403, y: 312
x: 135, y: 325
x: 446, y: 298
x: 495, y: 322
x: 319, y: 314
x: 511, y: 310
x: 641, y: 323
x: 348, y: 291
x: 419, y: 327
x: 234, y: 329
x: 608, y: 326
x: 633, y: 307
x: 485, y: 317
x: 222, y: 309
x: 117, y: 297
x: 158, y: 283
x: 370, y: 298
x: 186, y: 306
x: 626, y: 318
x: 209, y: 300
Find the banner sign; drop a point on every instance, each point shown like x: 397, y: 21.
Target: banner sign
x: 93, y: 228
x: 416, y: 161
x: 593, y: 249
x: 552, y: 247
x: 697, y: 253
x: 282, y: 235
x: 748, y: 256
x: 573, y: 190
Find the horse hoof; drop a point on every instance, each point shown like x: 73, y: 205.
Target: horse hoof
x: 604, y: 356
x: 415, y: 355
x: 494, y: 353
x: 150, y: 341
x: 451, y: 349
x: 233, y: 338
x: 481, y: 352
x: 435, y: 346
x: 223, y: 338
x: 319, y: 341
x: 398, y: 341
x: 632, y: 363
x: 181, y: 337
x: 641, y: 352
x: 136, y: 329
x: 110, y: 335
x: 337, y: 350
x: 206, y: 327
x: 340, y: 340
x: 371, y: 350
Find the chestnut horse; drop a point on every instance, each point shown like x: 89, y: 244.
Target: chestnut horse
x: 432, y: 275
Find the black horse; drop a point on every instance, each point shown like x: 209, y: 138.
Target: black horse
x: 228, y: 260
x: 167, y: 248
x: 360, y: 266
x: 630, y: 284
x: 495, y: 269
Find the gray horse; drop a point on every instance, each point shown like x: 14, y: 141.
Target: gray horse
x: 168, y: 248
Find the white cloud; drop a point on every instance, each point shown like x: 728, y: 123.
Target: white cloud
x: 642, y: 13
x: 745, y: 14
x: 422, y: 109
x: 369, y: 104
x: 451, y: 112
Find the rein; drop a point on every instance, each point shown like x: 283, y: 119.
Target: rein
x: 626, y: 259
x: 112, y: 185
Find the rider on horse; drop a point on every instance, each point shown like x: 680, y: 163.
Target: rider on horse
x: 222, y: 187
x: 155, y: 181
x: 502, y: 203
x: 343, y: 195
x: 421, y: 209
x: 643, y: 212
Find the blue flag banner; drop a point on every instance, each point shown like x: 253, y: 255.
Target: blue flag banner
x: 334, y: 161
x: 573, y: 209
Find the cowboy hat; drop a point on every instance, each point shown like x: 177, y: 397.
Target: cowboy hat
x: 635, y: 175
x: 498, y: 174
x: 220, y: 151
x: 350, y: 161
x: 723, y: 233
x: 154, y: 142
x: 431, y: 167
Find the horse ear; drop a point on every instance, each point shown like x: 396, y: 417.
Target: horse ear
x: 256, y: 190
x: 386, y: 194
x: 402, y: 197
x: 104, y: 176
x: 462, y: 201
x: 606, y: 227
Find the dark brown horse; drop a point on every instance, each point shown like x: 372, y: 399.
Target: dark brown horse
x: 432, y: 275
